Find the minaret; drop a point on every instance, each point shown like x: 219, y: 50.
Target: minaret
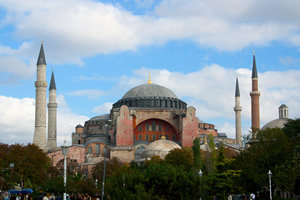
x: 39, y: 137
x: 255, y: 99
x: 52, y: 107
x: 238, y: 109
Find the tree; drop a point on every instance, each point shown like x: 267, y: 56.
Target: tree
x: 211, y: 155
x: 196, y: 154
x: 270, y: 150
x: 180, y: 157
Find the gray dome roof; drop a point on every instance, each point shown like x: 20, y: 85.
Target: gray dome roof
x: 277, y: 123
x: 160, y: 148
x: 150, y: 96
x: 101, y: 117
x: 149, y: 90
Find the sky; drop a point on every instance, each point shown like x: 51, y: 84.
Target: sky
x: 99, y: 50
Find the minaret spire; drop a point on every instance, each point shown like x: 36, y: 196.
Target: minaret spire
x: 39, y: 137
x: 52, y: 114
x: 238, y: 109
x: 255, y: 118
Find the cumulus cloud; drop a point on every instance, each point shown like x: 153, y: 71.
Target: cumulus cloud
x: 211, y: 91
x: 17, y: 120
x: 76, y: 29
x: 103, y: 109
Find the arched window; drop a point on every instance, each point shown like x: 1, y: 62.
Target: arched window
x: 140, y: 128
x: 167, y: 128
x: 159, y: 127
x: 147, y: 137
x: 147, y: 127
x: 90, y: 150
x: 174, y: 137
x: 167, y: 137
x: 97, y: 148
x: 153, y: 137
x: 153, y: 126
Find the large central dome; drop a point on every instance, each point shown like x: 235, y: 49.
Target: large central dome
x: 149, y: 90
x: 150, y: 96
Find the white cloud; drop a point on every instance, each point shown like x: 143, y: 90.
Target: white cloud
x: 211, y: 91
x: 103, y: 109
x: 76, y: 29
x: 17, y: 120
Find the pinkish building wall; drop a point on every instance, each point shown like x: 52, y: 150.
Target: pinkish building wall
x: 75, y: 153
x: 124, y: 124
x: 190, y: 127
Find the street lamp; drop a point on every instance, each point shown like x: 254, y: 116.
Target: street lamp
x: 200, y: 174
x: 96, y: 182
x: 270, y: 176
x: 65, y: 151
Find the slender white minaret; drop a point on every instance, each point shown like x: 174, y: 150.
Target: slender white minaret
x: 238, y: 109
x: 39, y: 137
x: 52, y: 108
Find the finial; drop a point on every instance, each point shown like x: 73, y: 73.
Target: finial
x: 149, y: 82
x: 254, y: 52
x: 42, y: 41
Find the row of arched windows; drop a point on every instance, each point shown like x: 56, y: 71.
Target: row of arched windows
x: 154, y: 127
x: 153, y: 137
x: 97, y: 149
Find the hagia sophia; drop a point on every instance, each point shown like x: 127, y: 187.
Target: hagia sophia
x: 148, y: 120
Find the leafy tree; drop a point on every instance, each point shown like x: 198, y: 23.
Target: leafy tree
x: 270, y: 150
x: 211, y: 155
x: 180, y: 157
x: 196, y: 154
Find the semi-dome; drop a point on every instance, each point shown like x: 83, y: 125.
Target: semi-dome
x: 160, y: 148
x: 150, y: 96
x: 276, y: 123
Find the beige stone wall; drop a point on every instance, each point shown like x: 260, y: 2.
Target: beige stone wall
x: 123, y: 155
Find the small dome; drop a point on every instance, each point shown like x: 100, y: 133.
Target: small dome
x: 277, y: 123
x: 149, y: 90
x: 160, y: 148
x: 79, y: 126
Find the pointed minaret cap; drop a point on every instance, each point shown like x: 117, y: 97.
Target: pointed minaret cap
x: 237, y: 89
x: 254, y: 70
x: 41, y: 59
x: 52, y: 82
x: 149, y: 82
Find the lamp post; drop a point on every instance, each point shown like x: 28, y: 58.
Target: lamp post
x: 65, y: 151
x: 270, y: 176
x: 200, y: 174
x: 96, y: 183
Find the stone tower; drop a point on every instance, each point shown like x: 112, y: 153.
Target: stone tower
x: 52, y: 108
x: 39, y: 137
x: 255, y: 120
x: 238, y: 109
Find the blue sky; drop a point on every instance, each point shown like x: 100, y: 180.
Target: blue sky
x: 101, y: 49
